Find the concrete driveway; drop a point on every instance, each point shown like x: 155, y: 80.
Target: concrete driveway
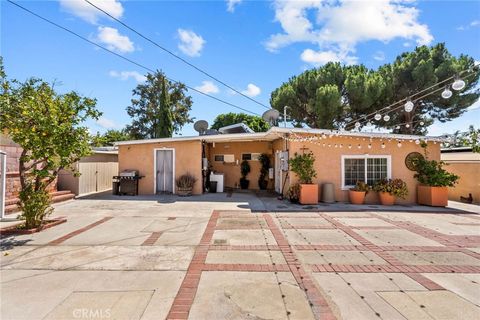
x: 210, y: 257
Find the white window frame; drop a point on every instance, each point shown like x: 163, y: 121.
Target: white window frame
x: 365, y: 157
x: 254, y: 156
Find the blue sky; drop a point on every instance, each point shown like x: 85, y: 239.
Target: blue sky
x: 252, y: 45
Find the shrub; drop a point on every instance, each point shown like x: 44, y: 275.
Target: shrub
x: 302, y: 165
x: 396, y: 187
x: 244, y: 169
x: 431, y: 173
x: 265, y: 162
x: 361, y: 186
x: 186, y: 181
x: 293, y: 193
x: 35, y: 205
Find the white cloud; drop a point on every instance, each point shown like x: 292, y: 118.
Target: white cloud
x: 208, y: 87
x: 475, y: 106
x: 231, y: 4
x: 190, y: 43
x: 379, y: 56
x: 318, y: 58
x: 340, y: 25
x: 252, y: 90
x: 106, y: 123
x: 83, y: 10
x: 114, y: 40
x: 473, y: 24
x: 125, y: 75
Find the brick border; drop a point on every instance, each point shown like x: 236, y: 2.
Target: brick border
x: 150, y: 241
x: 77, y: 232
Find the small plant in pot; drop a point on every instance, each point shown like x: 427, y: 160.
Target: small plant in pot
x: 358, y: 192
x: 390, y: 189
x: 294, y: 193
x: 185, y: 184
x: 434, y: 182
x: 265, y: 162
x: 303, y: 166
x: 244, y: 170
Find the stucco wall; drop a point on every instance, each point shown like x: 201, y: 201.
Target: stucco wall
x: 467, y: 166
x: 231, y: 171
x: 188, y: 158
x: 328, y: 161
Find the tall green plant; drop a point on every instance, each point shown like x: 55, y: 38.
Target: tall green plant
x: 303, y: 166
x: 265, y: 165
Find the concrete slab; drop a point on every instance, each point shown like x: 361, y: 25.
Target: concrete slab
x: 245, y: 257
x: 432, y: 258
x: 248, y: 295
x: 319, y: 236
x: 128, y: 305
x: 305, y: 221
x: 339, y: 257
x: 166, y: 225
x: 466, y: 286
x: 243, y: 222
x: 396, y: 238
x: 439, y: 305
x: 243, y: 237
x: 364, y: 222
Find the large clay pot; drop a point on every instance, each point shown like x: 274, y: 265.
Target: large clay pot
x: 386, y: 198
x: 432, y: 196
x: 184, y: 192
x: 308, y: 193
x: 356, y: 197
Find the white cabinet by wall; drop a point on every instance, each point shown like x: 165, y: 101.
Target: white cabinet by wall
x: 218, y: 177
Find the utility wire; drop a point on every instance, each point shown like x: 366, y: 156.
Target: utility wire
x: 176, y: 56
x: 125, y: 58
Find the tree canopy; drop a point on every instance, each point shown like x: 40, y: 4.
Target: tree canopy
x: 159, y: 108
x: 109, y: 137
x: 334, y: 95
x: 255, y: 123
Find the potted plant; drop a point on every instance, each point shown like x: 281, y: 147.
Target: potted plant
x: 358, y: 192
x: 294, y: 193
x: 302, y: 165
x: 434, y: 182
x: 265, y: 163
x: 389, y: 189
x: 244, y: 170
x: 185, y: 184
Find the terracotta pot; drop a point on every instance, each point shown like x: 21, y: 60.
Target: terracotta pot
x: 432, y: 196
x: 308, y: 193
x: 356, y: 197
x: 386, y: 198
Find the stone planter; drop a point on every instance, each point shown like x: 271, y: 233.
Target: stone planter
x: 13, y: 230
x: 184, y: 192
x: 432, y: 196
x: 308, y: 193
x: 386, y: 198
x: 356, y: 197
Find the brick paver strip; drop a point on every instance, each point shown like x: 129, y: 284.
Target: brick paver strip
x: 186, y: 293
x: 244, y: 247
x: 77, y: 232
x: 150, y: 241
x: 318, y: 303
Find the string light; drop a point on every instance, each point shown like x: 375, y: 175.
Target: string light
x: 408, y: 106
x: 458, y: 84
x: 447, y: 93
x: 383, y: 145
x: 378, y: 116
x: 386, y: 118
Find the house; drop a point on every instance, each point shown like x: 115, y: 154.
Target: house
x: 466, y: 164
x: 96, y: 171
x: 342, y: 158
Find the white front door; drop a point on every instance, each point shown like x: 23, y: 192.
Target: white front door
x: 164, y: 166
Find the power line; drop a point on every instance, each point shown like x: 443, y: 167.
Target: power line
x: 125, y: 58
x: 176, y: 56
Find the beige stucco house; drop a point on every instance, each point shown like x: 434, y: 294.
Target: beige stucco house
x: 342, y: 158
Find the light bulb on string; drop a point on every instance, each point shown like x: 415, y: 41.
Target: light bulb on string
x: 407, y: 126
x: 383, y: 145
x: 397, y: 127
x: 447, y: 93
x: 399, y: 144
x: 408, y: 106
x: 359, y: 146
x: 369, y: 146
x: 378, y: 116
x: 422, y: 123
x: 386, y: 117
x: 369, y: 124
x: 349, y: 146
x: 417, y: 141
x: 458, y: 84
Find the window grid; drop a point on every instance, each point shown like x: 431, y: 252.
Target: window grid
x: 364, y: 169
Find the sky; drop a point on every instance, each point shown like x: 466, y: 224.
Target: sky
x: 253, y: 46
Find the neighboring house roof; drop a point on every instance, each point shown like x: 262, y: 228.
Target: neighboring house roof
x: 105, y: 150
x: 276, y: 133
x: 236, y: 128
x: 456, y: 149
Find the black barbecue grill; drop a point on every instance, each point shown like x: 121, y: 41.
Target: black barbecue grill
x: 126, y: 183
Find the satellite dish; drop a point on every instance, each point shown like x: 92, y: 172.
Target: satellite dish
x: 200, y: 126
x: 271, y: 116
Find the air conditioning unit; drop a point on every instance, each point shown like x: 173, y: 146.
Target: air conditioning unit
x: 228, y: 158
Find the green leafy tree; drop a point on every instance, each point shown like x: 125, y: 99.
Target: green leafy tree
x: 334, y: 96
x: 470, y: 138
x: 159, y: 108
x: 49, y: 128
x: 255, y: 123
x: 109, y: 137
